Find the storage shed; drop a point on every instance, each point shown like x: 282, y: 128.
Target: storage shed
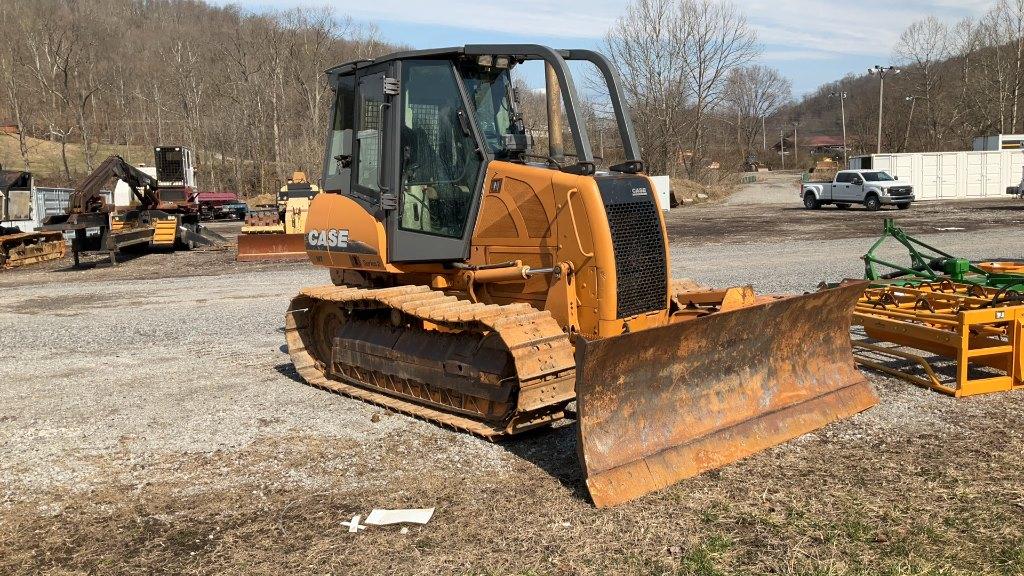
x: 950, y: 175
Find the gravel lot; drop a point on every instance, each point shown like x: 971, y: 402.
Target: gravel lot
x: 150, y: 422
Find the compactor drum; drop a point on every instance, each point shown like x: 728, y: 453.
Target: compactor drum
x: 484, y: 292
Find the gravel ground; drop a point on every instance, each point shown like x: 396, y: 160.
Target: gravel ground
x: 770, y: 188
x: 150, y: 421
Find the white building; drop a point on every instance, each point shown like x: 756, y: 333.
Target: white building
x: 950, y: 175
x: 123, y: 196
x: 999, y: 142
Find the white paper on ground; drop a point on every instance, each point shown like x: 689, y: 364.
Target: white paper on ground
x: 380, y: 517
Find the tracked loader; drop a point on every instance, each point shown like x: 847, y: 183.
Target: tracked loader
x: 277, y: 233
x: 20, y: 246
x: 484, y: 288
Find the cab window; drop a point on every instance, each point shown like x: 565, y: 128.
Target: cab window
x: 342, y: 120
x: 439, y: 162
x: 368, y: 136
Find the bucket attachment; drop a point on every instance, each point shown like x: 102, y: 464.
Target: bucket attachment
x: 664, y: 404
x: 253, y: 247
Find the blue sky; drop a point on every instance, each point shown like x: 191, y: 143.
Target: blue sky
x: 810, y: 41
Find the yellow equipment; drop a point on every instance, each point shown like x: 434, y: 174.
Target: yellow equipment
x: 166, y: 214
x: 19, y: 247
x: 279, y: 235
x: 485, y: 292
x: 979, y: 327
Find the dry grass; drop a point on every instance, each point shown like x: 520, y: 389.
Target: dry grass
x: 852, y: 499
x: 683, y: 188
x: 45, y: 160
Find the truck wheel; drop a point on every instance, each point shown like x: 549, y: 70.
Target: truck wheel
x: 872, y: 203
x: 810, y: 202
x: 903, y: 205
x: 842, y: 205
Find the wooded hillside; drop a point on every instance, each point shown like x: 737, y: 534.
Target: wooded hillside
x: 957, y: 81
x: 245, y: 91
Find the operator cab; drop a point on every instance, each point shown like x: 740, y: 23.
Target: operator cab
x: 412, y: 134
x: 175, y: 174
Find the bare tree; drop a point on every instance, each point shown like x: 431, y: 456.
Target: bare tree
x: 715, y: 39
x: 644, y: 44
x: 675, y: 56
x: 754, y: 93
x: 922, y: 46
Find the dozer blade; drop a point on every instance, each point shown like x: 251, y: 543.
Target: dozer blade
x: 660, y: 405
x: 252, y: 247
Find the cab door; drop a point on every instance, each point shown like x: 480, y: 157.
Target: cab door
x: 373, y: 122
x: 841, y: 189
x: 440, y: 166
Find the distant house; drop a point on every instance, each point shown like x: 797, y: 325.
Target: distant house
x: 785, y: 143
x: 823, y: 146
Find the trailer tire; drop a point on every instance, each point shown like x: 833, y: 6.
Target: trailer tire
x: 842, y: 205
x: 872, y: 203
x: 903, y: 205
x: 810, y: 202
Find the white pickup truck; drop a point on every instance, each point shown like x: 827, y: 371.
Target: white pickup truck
x: 872, y: 188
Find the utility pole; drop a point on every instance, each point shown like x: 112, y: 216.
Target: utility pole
x: 782, y: 147
x: 881, y: 72
x: 842, y: 111
x: 764, y: 138
x: 910, y: 117
x: 796, y: 147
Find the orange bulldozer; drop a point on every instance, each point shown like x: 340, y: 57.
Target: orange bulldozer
x: 485, y: 287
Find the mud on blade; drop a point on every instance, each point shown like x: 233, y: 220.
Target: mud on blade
x: 661, y: 405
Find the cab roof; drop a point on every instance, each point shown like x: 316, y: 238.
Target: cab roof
x: 352, y: 65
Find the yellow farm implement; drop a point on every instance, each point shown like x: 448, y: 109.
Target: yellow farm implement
x: 979, y: 327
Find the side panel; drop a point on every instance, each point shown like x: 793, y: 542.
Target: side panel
x: 543, y: 217
x: 340, y: 233
x: 930, y: 177
x: 518, y: 220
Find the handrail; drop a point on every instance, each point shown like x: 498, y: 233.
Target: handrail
x: 381, y: 188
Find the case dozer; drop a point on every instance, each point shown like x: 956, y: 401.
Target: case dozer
x: 485, y: 288
x: 277, y: 233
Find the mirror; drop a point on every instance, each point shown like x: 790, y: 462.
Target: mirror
x: 343, y: 147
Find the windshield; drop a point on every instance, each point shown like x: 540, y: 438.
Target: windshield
x: 877, y: 176
x: 489, y: 93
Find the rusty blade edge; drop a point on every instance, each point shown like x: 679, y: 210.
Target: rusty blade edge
x: 675, y: 463
x: 271, y: 256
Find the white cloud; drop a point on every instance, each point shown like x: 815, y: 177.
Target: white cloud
x: 564, y: 19
x: 788, y: 27
x: 779, y: 55
x: 866, y: 27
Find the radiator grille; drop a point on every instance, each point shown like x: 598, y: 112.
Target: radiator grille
x: 640, y: 268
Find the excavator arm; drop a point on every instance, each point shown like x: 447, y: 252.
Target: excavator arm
x: 86, y: 197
